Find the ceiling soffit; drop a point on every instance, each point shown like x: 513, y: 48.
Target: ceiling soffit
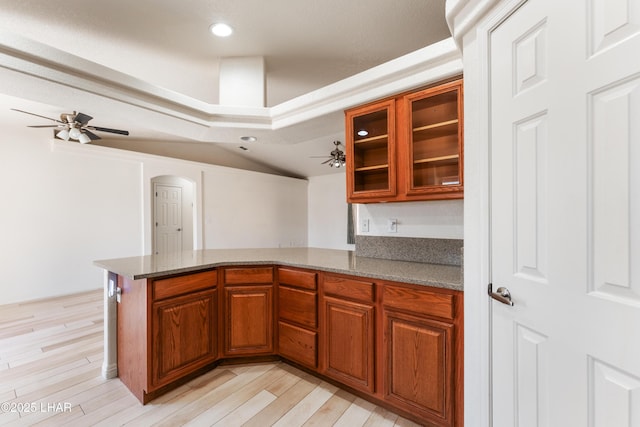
x: 41, y: 73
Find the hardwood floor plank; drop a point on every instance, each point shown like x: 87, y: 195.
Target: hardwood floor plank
x: 356, y: 414
x: 78, y: 369
x: 284, y: 383
x: 284, y: 403
x: 332, y: 410
x: 6, y: 418
x: 144, y: 414
x: 73, y: 340
x: 162, y: 410
x: 301, y: 412
x: 216, y: 405
x: 233, y: 401
x: 62, y: 418
x: 381, y: 417
x: 247, y: 410
x: 103, y: 413
x: 403, y: 422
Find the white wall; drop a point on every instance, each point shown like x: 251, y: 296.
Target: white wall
x: 250, y: 209
x: 65, y: 205
x: 441, y: 219
x: 328, y: 212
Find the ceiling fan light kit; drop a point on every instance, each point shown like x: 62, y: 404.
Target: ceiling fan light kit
x: 63, y: 134
x: 337, y: 158
x: 74, y: 126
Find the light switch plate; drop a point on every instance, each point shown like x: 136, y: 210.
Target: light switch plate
x: 364, y: 225
x: 392, y: 225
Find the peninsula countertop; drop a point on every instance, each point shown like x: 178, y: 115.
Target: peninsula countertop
x: 329, y: 260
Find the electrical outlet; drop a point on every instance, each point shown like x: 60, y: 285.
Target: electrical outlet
x: 364, y: 225
x: 392, y: 225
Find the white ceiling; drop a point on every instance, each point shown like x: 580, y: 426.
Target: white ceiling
x: 306, y: 44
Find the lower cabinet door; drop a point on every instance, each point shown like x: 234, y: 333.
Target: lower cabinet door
x: 349, y: 342
x: 418, y: 367
x: 297, y: 344
x: 184, y: 334
x: 248, y: 320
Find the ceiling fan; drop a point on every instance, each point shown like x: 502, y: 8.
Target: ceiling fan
x: 336, y: 157
x: 75, y: 126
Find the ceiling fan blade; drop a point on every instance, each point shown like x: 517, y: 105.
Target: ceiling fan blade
x: 92, y: 136
x: 327, y: 161
x: 118, y: 131
x: 37, y: 115
x: 319, y: 157
x: 45, y: 126
x: 82, y: 118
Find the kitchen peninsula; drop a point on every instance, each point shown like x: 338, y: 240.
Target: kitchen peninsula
x: 389, y: 331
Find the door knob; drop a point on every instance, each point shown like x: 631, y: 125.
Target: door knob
x: 179, y: 229
x: 501, y: 294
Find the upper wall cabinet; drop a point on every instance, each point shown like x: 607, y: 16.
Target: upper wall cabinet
x: 407, y: 148
x: 371, y: 151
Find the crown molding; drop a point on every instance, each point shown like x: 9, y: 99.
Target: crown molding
x: 463, y: 15
x: 45, y: 74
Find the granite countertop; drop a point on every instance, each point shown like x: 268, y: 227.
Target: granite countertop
x: 331, y: 260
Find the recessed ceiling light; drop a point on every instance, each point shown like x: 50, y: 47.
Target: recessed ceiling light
x: 221, y: 30
x: 249, y: 138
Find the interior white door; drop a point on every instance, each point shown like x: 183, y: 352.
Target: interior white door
x: 565, y: 213
x: 168, y: 219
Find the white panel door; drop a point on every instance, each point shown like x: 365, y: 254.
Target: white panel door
x: 168, y: 219
x: 565, y: 213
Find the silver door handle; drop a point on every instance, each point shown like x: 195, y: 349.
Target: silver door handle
x: 501, y: 294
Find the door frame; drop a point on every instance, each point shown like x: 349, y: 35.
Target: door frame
x: 478, y: 402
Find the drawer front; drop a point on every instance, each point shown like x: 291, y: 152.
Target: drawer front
x: 419, y: 301
x: 297, y: 306
x: 300, y: 279
x: 239, y: 276
x: 349, y: 288
x: 297, y: 344
x: 165, y: 288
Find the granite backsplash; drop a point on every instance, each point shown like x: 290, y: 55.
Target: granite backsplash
x: 432, y: 251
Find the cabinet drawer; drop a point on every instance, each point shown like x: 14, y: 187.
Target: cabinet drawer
x: 238, y: 276
x: 300, y: 279
x: 165, y: 288
x: 350, y: 288
x: 418, y: 301
x: 297, y: 344
x: 297, y: 306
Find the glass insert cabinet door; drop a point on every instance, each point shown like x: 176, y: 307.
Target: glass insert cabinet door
x: 435, y: 140
x: 371, y: 159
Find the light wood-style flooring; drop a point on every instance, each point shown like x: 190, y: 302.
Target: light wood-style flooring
x: 50, y: 374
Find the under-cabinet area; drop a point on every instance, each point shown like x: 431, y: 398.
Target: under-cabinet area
x: 396, y: 344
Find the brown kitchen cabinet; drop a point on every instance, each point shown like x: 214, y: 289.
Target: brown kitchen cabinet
x: 297, y: 316
x: 248, y: 311
x: 422, y: 354
x: 167, y: 330
x: 348, y: 332
x: 184, y: 335
x: 396, y: 344
x: 420, y: 154
x: 371, y: 151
